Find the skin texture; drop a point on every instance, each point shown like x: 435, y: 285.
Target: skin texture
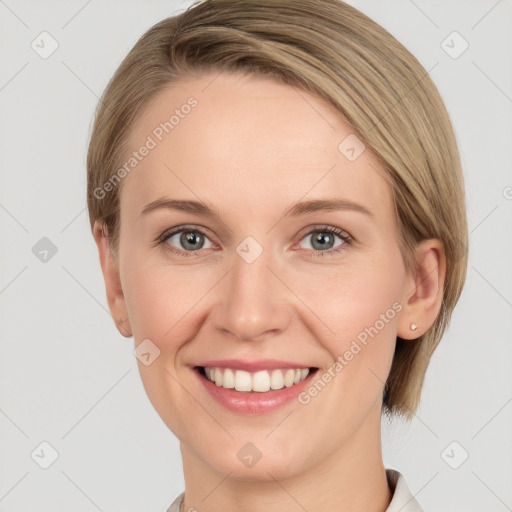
x: 251, y: 149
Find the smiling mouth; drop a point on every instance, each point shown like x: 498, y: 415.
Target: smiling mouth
x: 258, y: 382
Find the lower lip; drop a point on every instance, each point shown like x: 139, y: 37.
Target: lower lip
x: 253, y: 402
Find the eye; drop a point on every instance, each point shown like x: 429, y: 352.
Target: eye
x: 322, y: 240
x: 185, y: 240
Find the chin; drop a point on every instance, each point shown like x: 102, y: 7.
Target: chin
x: 247, y: 463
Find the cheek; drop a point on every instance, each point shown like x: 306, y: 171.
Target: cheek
x: 360, y: 306
x: 163, y: 299
x: 362, y: 311
x: 349, y: 301
x: 164, y: 305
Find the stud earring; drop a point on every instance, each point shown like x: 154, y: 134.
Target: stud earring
x: 413, y: 326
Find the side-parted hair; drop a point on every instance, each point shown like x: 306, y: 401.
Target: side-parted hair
x: 334, y: 51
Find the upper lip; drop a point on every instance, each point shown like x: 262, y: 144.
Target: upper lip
x: 252, y: 366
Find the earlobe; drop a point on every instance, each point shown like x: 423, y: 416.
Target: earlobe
x: 424, y: 293
x: 109, y: 267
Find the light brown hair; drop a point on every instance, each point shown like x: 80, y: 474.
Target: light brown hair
x: 330, y: 49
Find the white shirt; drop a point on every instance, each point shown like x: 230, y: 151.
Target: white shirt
x: 402, y: 500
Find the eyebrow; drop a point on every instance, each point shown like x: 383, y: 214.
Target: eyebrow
x: 296, y: 210
x: 316, y: 205
x: 196, y: 207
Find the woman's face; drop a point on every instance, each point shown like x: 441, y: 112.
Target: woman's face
x: 262, y: 280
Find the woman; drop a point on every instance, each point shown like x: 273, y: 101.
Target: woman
x: 276, y: 195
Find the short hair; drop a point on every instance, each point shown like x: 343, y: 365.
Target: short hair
x: 334, y: 51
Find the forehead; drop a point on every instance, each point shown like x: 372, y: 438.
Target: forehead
x: 240, y: 140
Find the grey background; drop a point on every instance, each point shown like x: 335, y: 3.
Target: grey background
x: 68, y: 378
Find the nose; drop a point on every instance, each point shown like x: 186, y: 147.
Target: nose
x: 252, y: 304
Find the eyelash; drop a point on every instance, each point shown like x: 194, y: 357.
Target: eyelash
x: 347, y: 240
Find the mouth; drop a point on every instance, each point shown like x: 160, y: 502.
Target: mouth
x: 262, y: 381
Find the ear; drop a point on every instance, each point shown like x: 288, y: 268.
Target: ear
x: 423, y: 294
x: 115, y: 296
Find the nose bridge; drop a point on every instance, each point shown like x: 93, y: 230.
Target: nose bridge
x: 254, y: 302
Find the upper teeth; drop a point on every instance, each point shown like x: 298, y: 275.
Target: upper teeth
x: 259, y: 381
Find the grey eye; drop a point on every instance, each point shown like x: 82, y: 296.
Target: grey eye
x: 189, y: 240
x: 322, y: 240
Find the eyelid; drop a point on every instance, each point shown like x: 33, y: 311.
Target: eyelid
x: 342, y: 233
x: 178, y: 229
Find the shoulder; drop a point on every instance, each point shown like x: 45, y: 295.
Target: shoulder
x: 402, y: 500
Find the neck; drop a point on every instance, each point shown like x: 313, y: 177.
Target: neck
x: 352, y: 478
